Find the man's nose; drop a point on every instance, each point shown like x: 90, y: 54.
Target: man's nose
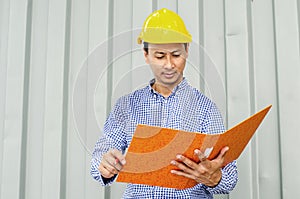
x: 169, y: 62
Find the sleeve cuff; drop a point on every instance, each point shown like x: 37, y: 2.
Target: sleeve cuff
x: 220, y: 188
x: 97, y: 175
x: 227, y: 183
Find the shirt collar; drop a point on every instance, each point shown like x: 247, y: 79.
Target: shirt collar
x: 182, y: 85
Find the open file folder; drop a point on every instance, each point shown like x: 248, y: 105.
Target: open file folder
x: 152, y: 149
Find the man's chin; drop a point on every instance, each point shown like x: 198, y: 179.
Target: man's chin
x: 170, y: 82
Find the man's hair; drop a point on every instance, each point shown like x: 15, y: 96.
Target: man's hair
x: 146, y: 46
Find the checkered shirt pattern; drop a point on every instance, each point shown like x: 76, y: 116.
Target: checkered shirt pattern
x: 185, y: 109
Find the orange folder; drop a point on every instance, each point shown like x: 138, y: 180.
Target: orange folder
x: 152, y: 149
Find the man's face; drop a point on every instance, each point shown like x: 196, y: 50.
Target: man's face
x: 167, y: 62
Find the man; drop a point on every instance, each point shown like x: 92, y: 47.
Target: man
x: 168, y: 101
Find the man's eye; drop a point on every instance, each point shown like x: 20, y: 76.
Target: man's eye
x: 160, y: 57
x: 176, y: 55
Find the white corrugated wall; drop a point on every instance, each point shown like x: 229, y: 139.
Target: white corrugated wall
x: 64, y: 62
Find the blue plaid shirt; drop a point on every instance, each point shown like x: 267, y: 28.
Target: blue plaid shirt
x: 186, y: 109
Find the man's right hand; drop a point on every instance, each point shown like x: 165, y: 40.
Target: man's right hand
x: 112, y: 162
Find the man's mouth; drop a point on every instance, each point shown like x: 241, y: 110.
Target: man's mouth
x: 169, y: 74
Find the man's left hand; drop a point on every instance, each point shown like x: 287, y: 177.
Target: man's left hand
x: 207, y: 172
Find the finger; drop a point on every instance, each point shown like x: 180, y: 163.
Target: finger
x: 111, y: 166
x: 223, y: 152
x: 118, y: 156
x: 200, y: 155
x: 180, y: 173
x: 111, y: 162
x: 188, y: 164
x: 182, y: 167
x: 105, y: 172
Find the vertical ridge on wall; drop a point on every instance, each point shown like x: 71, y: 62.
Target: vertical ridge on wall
x: 201, y: 45
x: 277, y: 98
x: 298, y: 12
x: 87, y: 108
x: 250, y: 58
x: 65, y: 107
x: 277, y: 87
x: 254, y: 144
x: 110, y: 54
x: 154, y: 5
x: 109, y: 69
x: 27, y: 62
x: 225, y: 63
x: 130, y: 46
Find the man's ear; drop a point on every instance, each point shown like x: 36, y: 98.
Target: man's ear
x: 187, y: 49
x: 146, y: 56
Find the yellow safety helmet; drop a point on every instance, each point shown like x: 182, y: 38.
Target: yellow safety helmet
x: 164, y: 26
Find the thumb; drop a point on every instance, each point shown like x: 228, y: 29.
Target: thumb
x: 223, y: 152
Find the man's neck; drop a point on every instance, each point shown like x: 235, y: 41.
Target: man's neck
x: 163, y: 90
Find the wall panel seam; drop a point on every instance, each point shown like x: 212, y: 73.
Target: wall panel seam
x: 87, y: 85
x: 64, y: 138
x: 45, y: 84
x: 131, y: 57
x: 107, y: 190
x: 277, y: 97
x: 201, y: 45
x: 225, y: 66
x: 26, y: 79
x: 298, y: 12
x: 154, y: 5
x: 254, y: 142
x: 225, y: 62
